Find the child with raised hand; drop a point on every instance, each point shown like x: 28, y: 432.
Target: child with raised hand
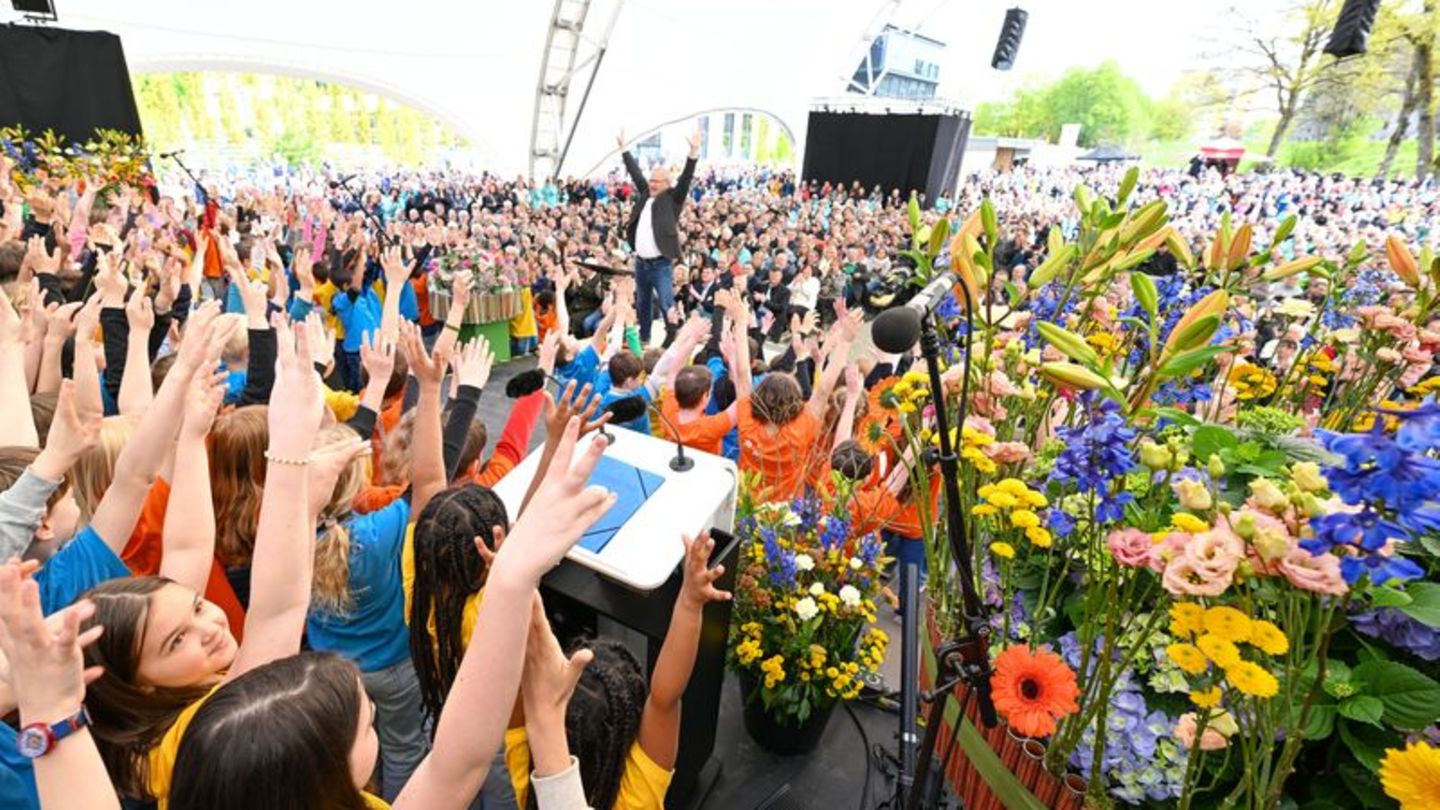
x: 317, y: 750
x: 626, y: 754
x: 44, y: 677
x: 165, y: 648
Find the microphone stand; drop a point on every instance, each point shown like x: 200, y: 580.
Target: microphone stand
x: 384, y: 238
x: 681, y: 462
x: 963, y: 659
x: 175, y: 156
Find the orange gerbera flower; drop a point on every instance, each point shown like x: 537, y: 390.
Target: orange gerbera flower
x: 1033, y: 689
x: 878, y: 396
x: 874, y: 436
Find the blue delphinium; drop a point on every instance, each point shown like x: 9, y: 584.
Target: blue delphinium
x: 781, y: 561
x: 1045, y: 306
x: 1096, y: 452
x: 1399, y: 630
x: 834, y: 532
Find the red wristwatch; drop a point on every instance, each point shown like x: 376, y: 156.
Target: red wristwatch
x: 38, y: 739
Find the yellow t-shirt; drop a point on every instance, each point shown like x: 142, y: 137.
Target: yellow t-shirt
x: 642, y: 784
x: 161, y: 759
x: 374, y: 802
x: 523, y: 324
x: 324, y: 292
x: 407, y: 580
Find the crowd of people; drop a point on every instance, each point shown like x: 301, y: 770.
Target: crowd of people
x: 253, y: 554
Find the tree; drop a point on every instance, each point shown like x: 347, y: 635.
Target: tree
x: 1108, y: 105
x: 1287, y: 66
x: 1422, y: 38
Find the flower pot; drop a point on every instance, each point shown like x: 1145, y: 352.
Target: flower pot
x: 780, y: 736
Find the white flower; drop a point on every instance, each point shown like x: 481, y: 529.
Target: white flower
x: 807, y: 609
x: 856, y: 564
x: 1295, y: 308
x: 804, y: 562
x: 850, y: 596
x: 817, y: 589
x: 1346, y: 335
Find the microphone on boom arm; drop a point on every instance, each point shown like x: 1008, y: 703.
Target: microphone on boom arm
x: 628, y: 409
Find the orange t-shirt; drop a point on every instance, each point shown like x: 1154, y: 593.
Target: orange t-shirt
x: 146, y: 547
x: 705, y: 433
x: 546, y: 322
x: 780, y: 457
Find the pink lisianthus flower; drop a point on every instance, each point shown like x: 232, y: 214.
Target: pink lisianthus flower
x: 1130, y: 547
x: 1006, y: 452
x: 1317, y: 573
x: 1211, y: 740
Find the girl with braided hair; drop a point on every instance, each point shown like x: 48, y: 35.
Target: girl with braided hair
x: 594, y: 703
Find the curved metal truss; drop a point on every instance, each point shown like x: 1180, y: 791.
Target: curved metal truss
x: 562, y: 61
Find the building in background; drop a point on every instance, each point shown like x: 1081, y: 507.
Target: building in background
x: 900, y: 64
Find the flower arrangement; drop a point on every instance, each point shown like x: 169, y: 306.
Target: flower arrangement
x: 1231, y: 557
x: 483, y: 284
x: 111, y: 158
x: 806, y: 594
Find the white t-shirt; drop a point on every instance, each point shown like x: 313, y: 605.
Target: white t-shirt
x: 805, y: 293
x: 645, y: 246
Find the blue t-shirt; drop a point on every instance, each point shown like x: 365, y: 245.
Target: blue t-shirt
x: 81, y: 565
x: 640, y: 424
x: 17, y: 774
x: 582, y: 368
x: 372, y: 633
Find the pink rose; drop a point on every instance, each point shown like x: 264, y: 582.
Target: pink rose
x: 1315, y: 573
x: 1211, y: 740
x: 1131, y: 547
x: 1006, y: 452
x: 1183, y: 578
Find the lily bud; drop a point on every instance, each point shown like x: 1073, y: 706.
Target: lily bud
x: 1240, y: 247
x: 1402, y: 261
x: 1180, y: 248
x: 1070, y: 375
x: 1213, y: 304
x: 1291, y: 268
x: 1068, y: 342
x: 1155, y: 456
x: 1215, y: 466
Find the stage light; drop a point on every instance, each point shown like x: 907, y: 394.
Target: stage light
x: 1008, y: 46
x: 1352, y: 28
x: 36, y: 10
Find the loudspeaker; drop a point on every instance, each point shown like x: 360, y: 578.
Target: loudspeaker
x: 1008, y: 46
x: 901, y: 151
x: 1352, y: 28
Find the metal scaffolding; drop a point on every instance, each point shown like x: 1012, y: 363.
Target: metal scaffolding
x: 561, y: 63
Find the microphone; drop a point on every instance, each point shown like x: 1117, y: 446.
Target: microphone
x: 342, y: 181
x: 895, y: 330
x: 628, y: 409
x: 525, y: 383
x: 172, y: 154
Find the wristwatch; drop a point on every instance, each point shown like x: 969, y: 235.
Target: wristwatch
x: 38, y: 739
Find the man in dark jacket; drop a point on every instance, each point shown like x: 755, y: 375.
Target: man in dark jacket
x: 652, y: 230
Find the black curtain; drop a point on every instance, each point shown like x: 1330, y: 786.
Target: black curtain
x: 891, y: 150
x: 71, y: 82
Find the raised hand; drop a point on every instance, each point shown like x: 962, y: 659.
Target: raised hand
x: 620, y: 140
x: 297, y: 402
x: 303, y: 265
x: 111, y: 283
x: 202, y: 400
x: 694, y: 140
x: 550, y: 676
x: 854, y: 383
x: 139, y: 312
x: 427, y: 368
x: 460, y: 286
x: 44, y: 263
x: 397, y: 270
x: 562, y: 508
x: 377, y: 357
x: 253, y: 294
x: 47, y: 670
x: 322, y: 340
x: 549, y: 348
x: 571, y: 404
x: 473, y: 363
x: 11, y: 327
x: 327, y: 464
x: 699, y: 586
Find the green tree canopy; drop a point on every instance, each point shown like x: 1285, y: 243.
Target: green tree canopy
x: 1109, y: 106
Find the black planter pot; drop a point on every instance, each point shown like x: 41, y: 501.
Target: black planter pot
x: 774, y: 735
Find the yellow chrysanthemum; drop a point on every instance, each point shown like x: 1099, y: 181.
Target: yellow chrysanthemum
x: 1186, y: 619
x: 1228, y: 623
x: 1188, y: 523
x: 1412, y: 776
x: 1040, y: 536
x: 1004, y: 551
x: 1188, y: 657
x: 1219, y: 650
x: 1207, y: 699
x: 1252, y: 679
x: 983, y: 510
x: 1002, y: 499
x: 1024, y: 519
x: 1035, y: 500
x: 1268, y: 638
x: 1014, y: 486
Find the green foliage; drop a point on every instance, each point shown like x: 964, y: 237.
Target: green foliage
x: 1109, y: 106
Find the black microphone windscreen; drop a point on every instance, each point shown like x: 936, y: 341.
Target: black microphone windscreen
x: 525, y: 383
x: 627, y: 409
x: 895, y: 330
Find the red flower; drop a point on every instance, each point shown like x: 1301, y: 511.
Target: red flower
x: 1033, y: 689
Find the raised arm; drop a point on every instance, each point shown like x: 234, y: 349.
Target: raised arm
x: 677, y: 356
x: 478, y: 708
x: 854, y: 389
x: 660, y: 722
x: 17, y: 425
x: 632, y: 167
x: 189, y: 530
x: 284, y: 558
x: 734, y: 306
x: 836, y: 358
x: 397, y: 277
x: 460, y: 286
x: 682, y: 185
x: 135, y: 391
x: 428, y: 476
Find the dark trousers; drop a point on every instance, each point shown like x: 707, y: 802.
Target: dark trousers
x: 654, y: 282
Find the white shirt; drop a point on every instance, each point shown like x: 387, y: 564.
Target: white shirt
x: 645, y: 246
x: 805, y: 293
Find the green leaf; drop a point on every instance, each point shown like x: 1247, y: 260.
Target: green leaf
x: 1321, y: 723
x: 1013, y: 293
x: 1182, y: 364
x: 1389, y: 597
x: 1424, y: 604
x: 1361, y: 708
x: 1368, y: 744
x: 1211, y: 439
x: 1364, y: 785
x: 1431, y: 543
x: 1179, y: 417
x: 1412, y: 699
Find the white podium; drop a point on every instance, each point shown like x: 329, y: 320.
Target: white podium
x: 642, y: 547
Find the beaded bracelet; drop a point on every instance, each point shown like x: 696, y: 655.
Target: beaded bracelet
x: 294, y: 462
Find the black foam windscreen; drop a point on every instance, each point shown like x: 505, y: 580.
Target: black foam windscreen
x: 525, y: 383
x: 895, y: 330
x: 1352, y: 28
x: 626, y: 409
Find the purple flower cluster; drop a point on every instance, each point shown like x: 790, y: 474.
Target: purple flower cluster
x: 1142, y: 759
x: 1045, y: 306
x: 780, y: 561
x: 1096, y: 452
x: 834, y: 531
x: 1399, y: 630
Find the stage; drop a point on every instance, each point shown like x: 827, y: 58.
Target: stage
x: 832, y: 776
